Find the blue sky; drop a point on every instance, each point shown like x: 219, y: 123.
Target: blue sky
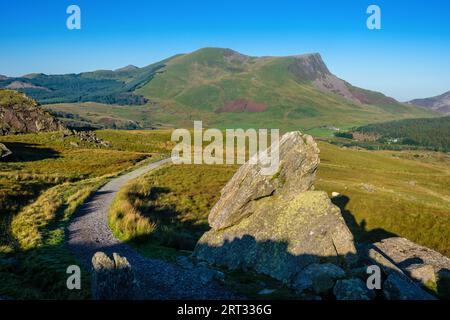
x: 408, y: 58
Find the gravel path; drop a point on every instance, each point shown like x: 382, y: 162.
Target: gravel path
x: 88, y: 232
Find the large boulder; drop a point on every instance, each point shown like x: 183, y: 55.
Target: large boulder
x: 276, y: 225
x: 299, y: 159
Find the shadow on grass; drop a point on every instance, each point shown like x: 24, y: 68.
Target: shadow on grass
x: 26, y: 152
x: 360, y: 232
x: 173, y: 230
x: 362, y: 235
x: 44, y: 268
x: 244, y: 255
x: 13, y: 203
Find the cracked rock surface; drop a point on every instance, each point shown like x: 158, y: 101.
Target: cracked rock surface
x: 276, y: 225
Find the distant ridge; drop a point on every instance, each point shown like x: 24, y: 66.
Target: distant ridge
x: 440, y: 103
x: 33, y: 75
x: 127, y: 68
x: 226, y: 88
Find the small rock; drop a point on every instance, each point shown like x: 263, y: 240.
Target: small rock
x: 74, y: 144
x: 4, y: 151
x: 335, y: 194
x: 368, y: 187
x: 203, y: 264
x: 398, y: 288
x: 265, y: 292
x: 360, y: 272
x: 318, y: 277
x: 352, y: 289
x: 185, y: 262
x: 112, y: 279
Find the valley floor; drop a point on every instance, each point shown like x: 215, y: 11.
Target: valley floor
x: 383, y: 193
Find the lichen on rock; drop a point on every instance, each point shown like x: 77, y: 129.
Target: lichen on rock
x: 276, y: 225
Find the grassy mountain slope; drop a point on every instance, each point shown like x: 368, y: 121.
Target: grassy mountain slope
x: 384, y: 193
x: 102, y: 86
x: 224, y: 89
x: 227, y: 89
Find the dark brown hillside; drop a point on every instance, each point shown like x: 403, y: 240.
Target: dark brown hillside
x: 20, y: 114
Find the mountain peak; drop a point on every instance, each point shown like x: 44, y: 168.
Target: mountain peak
x: 315, y: 55
x: 33, y: 75
x: 129, y: 67
x: 217, y: 50
x: 309, y: 66
x: 209, y: 52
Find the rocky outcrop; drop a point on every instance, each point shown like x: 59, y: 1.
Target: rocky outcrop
x: 278, y: 226
x: 331, y: 83
x: 86, y: 136
x: 299, y: 159
x: 112, y: 279
x: 20, y: 114
x: 426, y: 267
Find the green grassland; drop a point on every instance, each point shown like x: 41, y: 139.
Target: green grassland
x: 387, y: 193
x: 384, y: 194
x: 163, y: 213
x: 169, y: 206
x: 41, y: 185
x: 103, y: 115
x: 35, y: 266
